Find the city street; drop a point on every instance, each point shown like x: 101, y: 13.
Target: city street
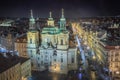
x: 89, y: 60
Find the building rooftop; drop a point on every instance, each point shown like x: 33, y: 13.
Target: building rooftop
x: 110, y: 42
x: 21, y: 39
x: 7, y: 60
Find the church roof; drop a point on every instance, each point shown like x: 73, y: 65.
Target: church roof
x: 50, y: 30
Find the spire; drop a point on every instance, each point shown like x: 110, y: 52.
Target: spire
x: 31, y: 13
x: 62, y: 13
x: 62, y: 21
x: 50, y: 14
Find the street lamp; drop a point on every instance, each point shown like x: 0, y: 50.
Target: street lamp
x: 94, y: 60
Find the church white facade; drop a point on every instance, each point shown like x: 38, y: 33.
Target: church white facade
x: 49, y: 49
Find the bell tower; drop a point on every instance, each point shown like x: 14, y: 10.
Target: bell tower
x: 32, y: 41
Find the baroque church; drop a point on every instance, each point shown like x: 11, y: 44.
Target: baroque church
x: 49, y: 48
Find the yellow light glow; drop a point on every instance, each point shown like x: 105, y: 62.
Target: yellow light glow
x: 117, y: 72
x: 94, y: 57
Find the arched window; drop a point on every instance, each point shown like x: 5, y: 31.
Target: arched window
x: 61, y: 41
x: 30, y: 40
x: 61, y: 60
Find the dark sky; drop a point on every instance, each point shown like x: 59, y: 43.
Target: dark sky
x: 73, y: 8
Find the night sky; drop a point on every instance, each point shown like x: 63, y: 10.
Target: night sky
x: 73, y: 8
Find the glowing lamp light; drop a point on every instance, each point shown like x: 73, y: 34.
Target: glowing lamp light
x: 88, y: 47
x: 93, y: 57
x: 117, y: 72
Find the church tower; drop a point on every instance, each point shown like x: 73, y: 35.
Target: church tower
x: 32, y: 41
x: 62, y: 21
x: 63, y: 37
x: 50, y: 21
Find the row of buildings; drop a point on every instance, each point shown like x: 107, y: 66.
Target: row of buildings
x: 104, y: 46
x: 13, y: 67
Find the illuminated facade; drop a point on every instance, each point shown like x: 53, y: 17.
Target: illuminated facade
x: 13, y: 67
x: 53, y: 52
x: 114, y: 62
x: 21, y: 45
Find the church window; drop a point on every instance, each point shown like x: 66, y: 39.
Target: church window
x: 55, y: 53
x: 61, y: 67
x: 50, y: 62
x: 46, y: 56
x: 55, y: 60
x: 55, y: 65
x: 31, y: 51
x: 38, y: 65
x: 31, y: 55
x: 61, y: 60
x: 63, y: 25
x: 61, y: 41
x: 32, y: 64
x: 41, y: 62
x: 72, y: 60
x: 30, y: 40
